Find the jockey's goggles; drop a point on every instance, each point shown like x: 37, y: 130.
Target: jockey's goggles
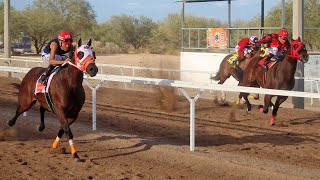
x: 68, y: 41
x: 283, y: 37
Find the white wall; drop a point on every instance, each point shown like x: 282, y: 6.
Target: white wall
x: 208, y: 63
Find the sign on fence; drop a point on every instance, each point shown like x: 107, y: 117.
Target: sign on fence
x: 217, y: 38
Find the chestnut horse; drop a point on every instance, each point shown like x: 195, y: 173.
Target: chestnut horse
x: 66, y: 91
x: 279, y: 76
x: 226, y: 70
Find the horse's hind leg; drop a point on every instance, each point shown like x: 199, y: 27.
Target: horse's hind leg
x: 41, y: 126
x: 245, y: 97
x: 267, y: 101
x: 22, y: 107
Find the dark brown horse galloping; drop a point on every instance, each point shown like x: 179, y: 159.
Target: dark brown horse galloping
x: 226, y: 70
x: 280, y: 76
x: 66, y: 91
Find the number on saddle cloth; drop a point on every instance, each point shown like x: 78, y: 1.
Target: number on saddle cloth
x: 232, y: 58
x: 263, y: 51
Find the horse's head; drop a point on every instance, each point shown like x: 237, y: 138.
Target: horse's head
x: 298, y: 51
x: 84, y: 58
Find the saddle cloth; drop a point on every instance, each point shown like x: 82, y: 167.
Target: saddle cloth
x: 43, y: 88
x: 269, y: 65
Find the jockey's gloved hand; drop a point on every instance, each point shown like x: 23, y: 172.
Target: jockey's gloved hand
x: 66, y: 61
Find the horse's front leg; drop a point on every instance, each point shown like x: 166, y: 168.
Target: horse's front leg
x: 69, y: 135
x: 57, y: 140
x: 267, y: 100
x: 41, y: 126
x: 280, y: 100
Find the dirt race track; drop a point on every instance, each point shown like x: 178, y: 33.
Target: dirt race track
x: 146, y: 136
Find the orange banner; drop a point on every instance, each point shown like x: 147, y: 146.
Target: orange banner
x: 217, y: 38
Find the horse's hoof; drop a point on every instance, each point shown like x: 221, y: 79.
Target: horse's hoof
x: 77, y: 159
x: 272, y: 121
x: 10, y: 123
x: 248, y: 111
x: 40, y: 128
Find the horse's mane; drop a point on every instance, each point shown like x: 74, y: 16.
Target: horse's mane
x: 71, y: 53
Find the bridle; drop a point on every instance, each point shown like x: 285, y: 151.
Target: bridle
x: 83, y: 56
x: 296, y: 48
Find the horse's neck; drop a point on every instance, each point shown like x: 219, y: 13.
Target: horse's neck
x: 73, y: 74
x: 289, y: 65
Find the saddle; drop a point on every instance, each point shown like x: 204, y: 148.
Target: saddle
x: 233, y: 58
x: 269, y: 65
x: 44, y: 88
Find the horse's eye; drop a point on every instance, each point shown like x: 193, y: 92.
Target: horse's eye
x: 80, y: 55
x: 295, y: 46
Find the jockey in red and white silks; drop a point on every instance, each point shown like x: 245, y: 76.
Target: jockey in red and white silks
x: 244, y: 48
x: 277, y: 45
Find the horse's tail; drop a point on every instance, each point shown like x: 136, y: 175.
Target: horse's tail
x: 216, y: 77
x: 16, y: 85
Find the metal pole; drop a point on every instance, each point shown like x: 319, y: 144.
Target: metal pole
x: 283, y: 14
x: 229, y: 25
x: 192, y: 115
x: 262, y: 18
x: 94, y: 109
x: 182, y: 26
x: 297, y: 31
x: 6, y: 29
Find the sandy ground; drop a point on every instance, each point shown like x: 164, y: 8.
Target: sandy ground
x: 145, y: 135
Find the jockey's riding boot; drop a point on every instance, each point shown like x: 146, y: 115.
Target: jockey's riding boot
x: 45, y: 74
x: 235, y: 61
x: 266, y: 63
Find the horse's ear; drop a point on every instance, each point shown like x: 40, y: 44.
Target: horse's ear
x: 79, y: 42
x: 299, y: 39
x: 89, y: 43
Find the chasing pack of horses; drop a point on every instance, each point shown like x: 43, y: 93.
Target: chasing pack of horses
x: 251, y: 72
x: 66, y: 92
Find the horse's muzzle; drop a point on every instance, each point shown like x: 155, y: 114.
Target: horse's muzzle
x: 92, y: 69
x: 304, y: 58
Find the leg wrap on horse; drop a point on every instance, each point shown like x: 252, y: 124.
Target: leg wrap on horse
x: 55, y: 143
x: 73, y: 150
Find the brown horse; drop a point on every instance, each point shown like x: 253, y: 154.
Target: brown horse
x: 226, y: 69
x: 279, y: 76
x: 66, y: 92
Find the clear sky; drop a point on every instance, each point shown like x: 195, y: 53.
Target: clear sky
x: 158, y: 9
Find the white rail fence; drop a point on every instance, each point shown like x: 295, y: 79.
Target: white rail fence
x: 181, y: 85
x: 30, y: 62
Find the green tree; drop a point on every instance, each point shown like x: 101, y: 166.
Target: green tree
x: 40, y: 25
x: 129, y: 31
x: 167, y: 36
x: 77, y: 16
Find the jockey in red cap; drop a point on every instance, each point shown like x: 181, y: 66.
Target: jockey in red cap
x: 244, y: 48
x: 277, y: 45
x: 56, y: 52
